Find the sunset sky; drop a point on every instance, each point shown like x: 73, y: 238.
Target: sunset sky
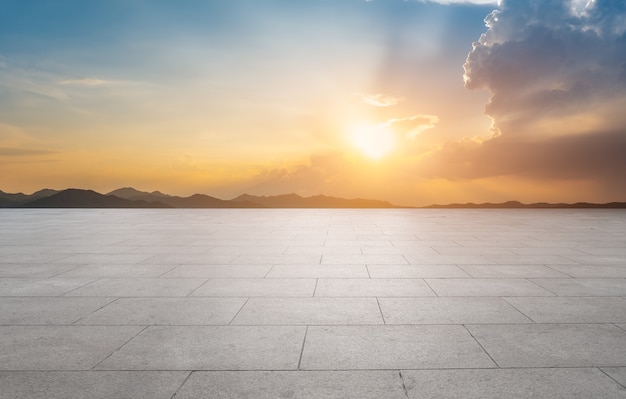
x: 413, y: 102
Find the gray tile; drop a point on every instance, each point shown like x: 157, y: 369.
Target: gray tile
x: 132, y: 287
x: 473, y: 250
x: 309, y: 311
x: 293, y: 384
x: 32, y: 257
x: 33, y: 270
x: 166, y: 311
x: 90, y: 384
x: 596, y: 271
x: 486, y: 287
x: 318, y: 271
x: 59, y: 347
x: 339, y: 250
x: 117, y: 270
x: 448, y: 259
x: 617, y: 260
x: 288, y: 259
x: 190, y: 259
x: 511, y: 384
x: 46, y: 310
x: 617, y: 373
x: 513, y: 271
x: 126, y: 259
x: 40, y: 286
x: 210, y: 348
x: 451, y: 310
x: 572, y: 309
x: 530, y: 259
x: 416, y: 271
x: 257, y: 287
x: 219, y: 271
x: 380, y: 259
x: 584, y: 286
x: 553, y: 345
x: 352, y: 287
x: 391, y: 347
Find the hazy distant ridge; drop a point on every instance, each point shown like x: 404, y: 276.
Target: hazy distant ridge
x: 129, y: 197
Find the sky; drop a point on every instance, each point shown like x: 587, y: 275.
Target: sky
x: 411, y: 101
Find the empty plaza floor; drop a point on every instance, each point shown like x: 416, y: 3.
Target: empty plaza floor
x: 312, y: 303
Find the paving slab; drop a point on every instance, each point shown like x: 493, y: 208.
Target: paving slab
x: 47, y: 310
x: 449, y: 310
x: 513, y: 271
x: 584, y: 286
x: 416, y: 271
x: 40, y: 286
x: 309, y: 311
x: 359, y: 259
x: 391, y: 347
x: 126, y: 259
x: 59, y: 347
x: 486, y: 287
x: 242, y: 287
x: 594, y: 271
x: 372, y: 288
x: 132, y: 287
x: 218, y: 271
x: 552, y: 383
x: 617, y: 373
x: 293, y: 384
x: 117, y: 270
x: 33, y: 270
x: 166, y: 311
x: 318, y: 271
x: 210, y: 348
x: 571, y: 309
x: 90, y: 384
x: 553, y: 345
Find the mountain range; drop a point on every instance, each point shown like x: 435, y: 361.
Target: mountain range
x: 129, y: 197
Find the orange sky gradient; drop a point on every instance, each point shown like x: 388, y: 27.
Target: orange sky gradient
x: 389, y: 100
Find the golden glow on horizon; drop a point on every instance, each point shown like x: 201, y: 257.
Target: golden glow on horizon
x: 375, y: 141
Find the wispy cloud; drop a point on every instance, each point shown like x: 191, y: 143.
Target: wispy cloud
x: 380, y: 100
x: 415, y: 124
x: 20, y: 152
x: 87, y: 82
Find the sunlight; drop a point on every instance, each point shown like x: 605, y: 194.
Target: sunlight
x: 375, y: 141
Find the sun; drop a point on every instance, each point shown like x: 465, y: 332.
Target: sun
x: 375, y: 141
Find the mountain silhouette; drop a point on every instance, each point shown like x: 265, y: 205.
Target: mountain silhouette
x: 128, y: 197
x: 194, y: 201
x: 76, y: 198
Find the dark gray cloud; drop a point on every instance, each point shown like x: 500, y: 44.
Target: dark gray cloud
x: 543, y: 59
x: 556, y: 72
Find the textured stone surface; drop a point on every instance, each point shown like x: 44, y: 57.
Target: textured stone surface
x: 271, y: 303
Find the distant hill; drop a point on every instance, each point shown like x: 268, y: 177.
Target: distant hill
x: 75, y: 198
x: 537, y: 205
x: 128, y: 197
x: 12, y: 200
x: 317, y: 201
x: 194, y: 201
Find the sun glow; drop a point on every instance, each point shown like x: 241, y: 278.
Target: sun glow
x: 375, y: 141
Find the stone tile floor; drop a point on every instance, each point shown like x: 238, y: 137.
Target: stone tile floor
x: 312, y: 303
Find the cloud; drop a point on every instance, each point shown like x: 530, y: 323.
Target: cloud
x: 413, y: 126
x: 380, y: 100
x: 556, y: 72
x: 542, y: 60
x: 87, y: 82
